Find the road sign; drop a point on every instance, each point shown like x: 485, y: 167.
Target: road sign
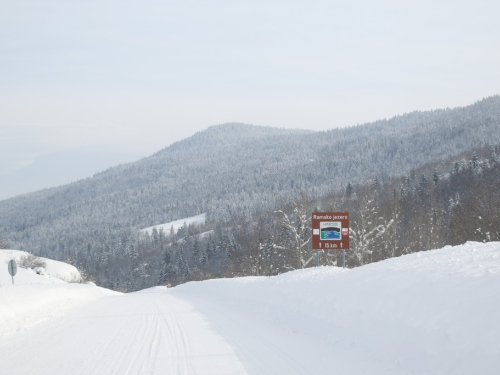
x: 330, y: 230
x: 12, y: 269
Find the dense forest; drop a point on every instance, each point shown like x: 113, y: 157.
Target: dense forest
x: 259, y: 187
x: 427, y: 209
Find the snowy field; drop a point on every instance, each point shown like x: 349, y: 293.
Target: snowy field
x: 434, y: 312
x: 166, y: 227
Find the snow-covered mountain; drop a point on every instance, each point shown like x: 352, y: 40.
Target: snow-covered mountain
x: 235, y: 170
x: 433, y: 312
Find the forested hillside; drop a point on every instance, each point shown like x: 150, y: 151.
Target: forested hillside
x: 433, y: 206
x: 236, y: 174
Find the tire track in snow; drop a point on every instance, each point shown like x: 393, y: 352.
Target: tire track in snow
x: 144, y: 333
x: 178, y: 351
x: 108, y: 352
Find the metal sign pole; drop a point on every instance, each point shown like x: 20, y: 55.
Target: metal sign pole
x: 317, y: 258
x: 343, y: 259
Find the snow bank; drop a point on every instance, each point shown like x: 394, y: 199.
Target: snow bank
x: 199, y: 219
x: 432, y: 312
x: 53, y: 269
x: 35, y: 298
x: 23, y: 306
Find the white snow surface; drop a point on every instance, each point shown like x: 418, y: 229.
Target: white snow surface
x: 434, y: 312
x: 177, y: 224
x: 34, y: 298
x: 53, y: 269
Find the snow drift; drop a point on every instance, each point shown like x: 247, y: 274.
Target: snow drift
x: 35, y: 298
x: 53, y: 269
x: 429, y: 312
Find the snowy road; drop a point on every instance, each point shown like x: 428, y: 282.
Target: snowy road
x: 434, y: 312
x: 155, y: 332
x: 150, y: 332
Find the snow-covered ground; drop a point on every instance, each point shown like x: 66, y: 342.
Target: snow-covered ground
x: 434, y: 312
x: 199, y: 219
x: 36, y: 298
x: 53, y: 269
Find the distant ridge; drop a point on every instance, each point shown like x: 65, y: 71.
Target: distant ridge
x: 230, y: 132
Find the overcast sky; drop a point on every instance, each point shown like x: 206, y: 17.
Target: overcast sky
x: 131, y: 77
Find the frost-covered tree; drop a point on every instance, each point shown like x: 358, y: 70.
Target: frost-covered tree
x: 166, y: 271
x: 298, y: 224
x: 367, y: 227
x: 3, y: 243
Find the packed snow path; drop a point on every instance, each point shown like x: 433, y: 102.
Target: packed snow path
x: 434, y: 312
x: 150, y: 332
x: 155, y: 332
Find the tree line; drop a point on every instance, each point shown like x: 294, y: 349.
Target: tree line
x: 427, y: 209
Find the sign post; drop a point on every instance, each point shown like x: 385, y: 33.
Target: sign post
x: 12, y: 266
x: 330, y: 232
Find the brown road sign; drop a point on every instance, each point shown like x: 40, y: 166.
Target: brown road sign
x: 330, y: 230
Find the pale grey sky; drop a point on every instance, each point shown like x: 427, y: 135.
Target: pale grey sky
x: 131, y: 77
